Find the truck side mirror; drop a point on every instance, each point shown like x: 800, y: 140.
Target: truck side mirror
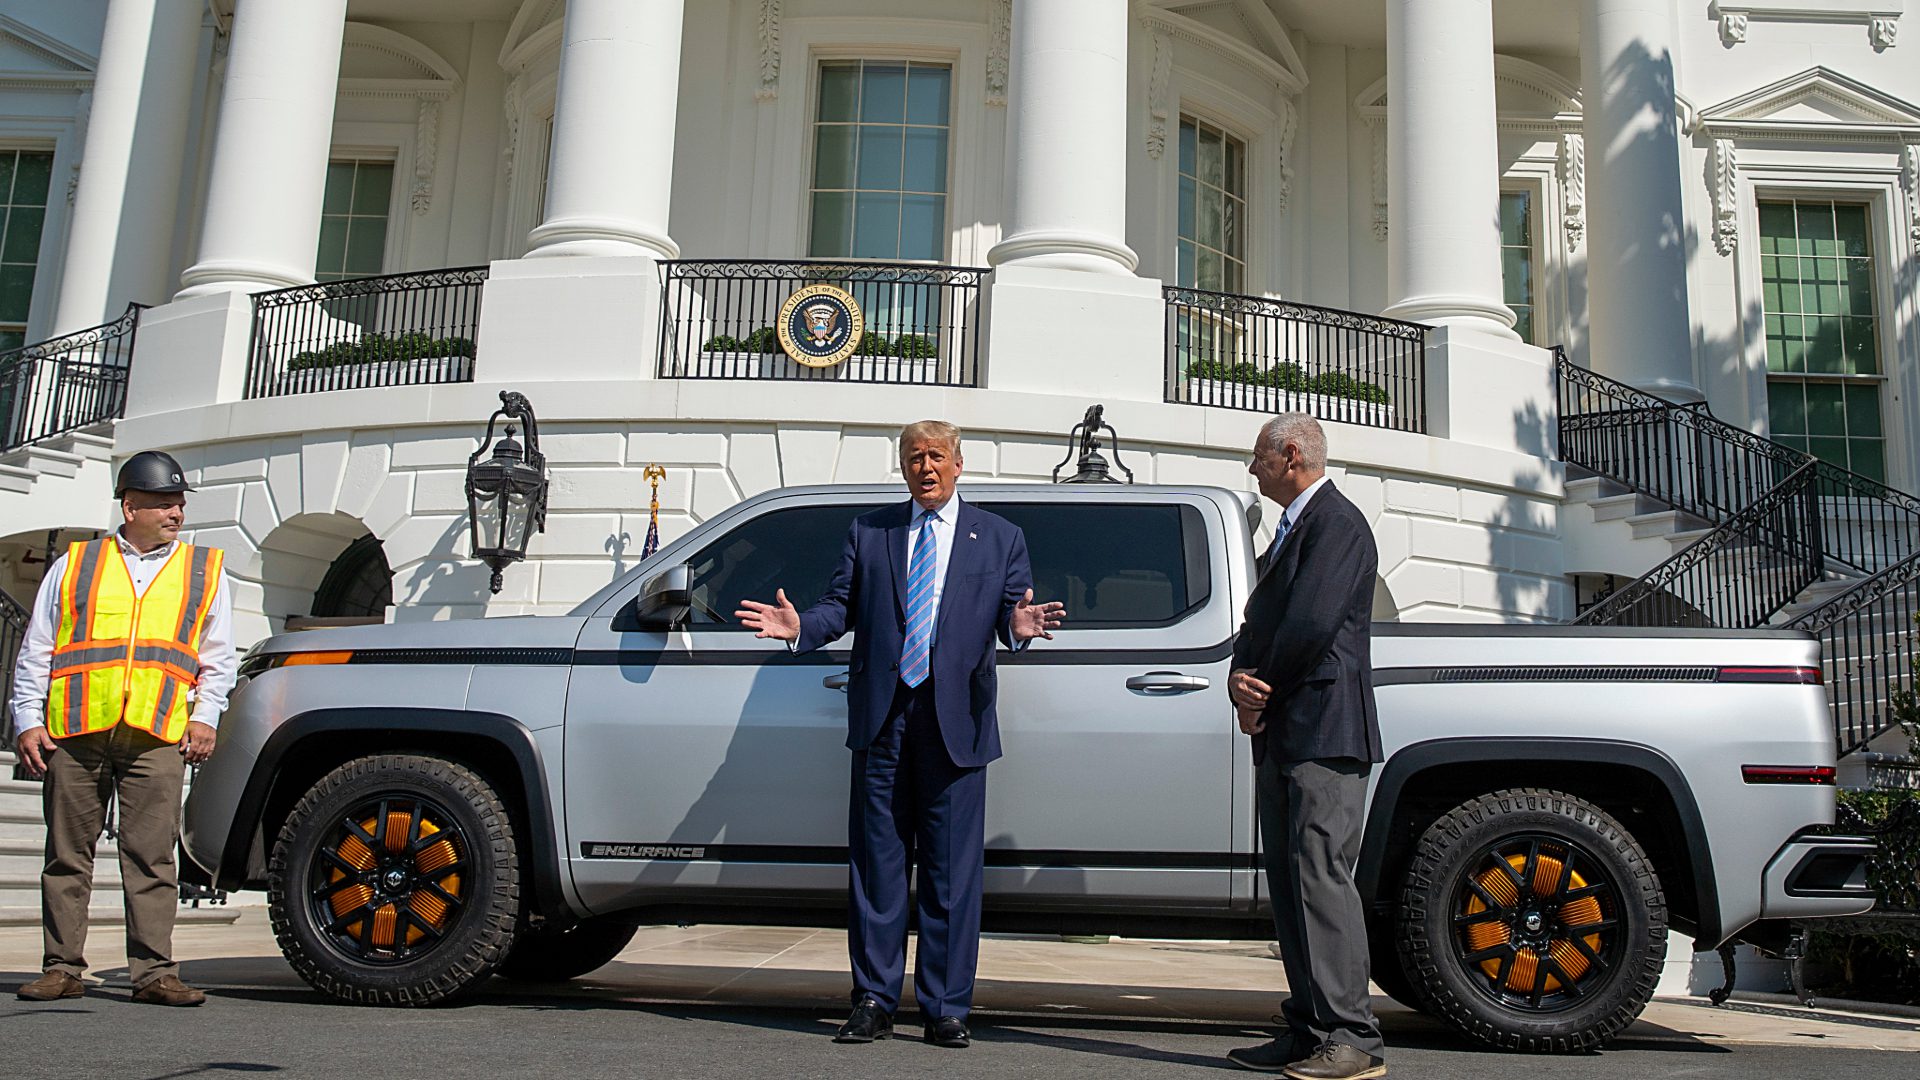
x: 666, y: 599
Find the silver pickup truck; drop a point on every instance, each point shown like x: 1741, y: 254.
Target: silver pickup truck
x: 429, y: 804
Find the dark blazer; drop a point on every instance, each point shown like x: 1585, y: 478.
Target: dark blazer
x: 987, y: 574
x: 1307, y: 635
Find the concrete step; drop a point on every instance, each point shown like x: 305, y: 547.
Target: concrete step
x: 47, y: 461
x: 1588, y: 488
x: 13, y: 913
x: 94, y: 444
x: 1624, y: 505
x: 1658, y: 523
x: 16, y: 479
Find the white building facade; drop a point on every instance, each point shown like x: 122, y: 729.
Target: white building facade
x: 1191, y: 211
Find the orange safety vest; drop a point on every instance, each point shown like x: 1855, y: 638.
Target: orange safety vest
x: 122, y: 656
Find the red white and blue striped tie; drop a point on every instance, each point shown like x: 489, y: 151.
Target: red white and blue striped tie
x: 916, y: 657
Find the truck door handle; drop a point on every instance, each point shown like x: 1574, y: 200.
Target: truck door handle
x: 837, y: 682
x: 1167, y: 683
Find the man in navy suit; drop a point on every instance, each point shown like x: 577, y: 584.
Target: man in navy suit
x: 1302, y: 685
x: 927, y: 585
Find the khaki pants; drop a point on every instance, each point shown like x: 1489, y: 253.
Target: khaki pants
x: 82, y: 776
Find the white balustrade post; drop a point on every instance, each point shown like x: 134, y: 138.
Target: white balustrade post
x: 270, y: 149
x: 1443, y: 171
x: 120, y: 240
x: 611, y: 180
x: 1067, y: 137
x: 1636, y: 240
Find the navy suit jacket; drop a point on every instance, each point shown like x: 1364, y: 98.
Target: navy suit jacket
x: 987, y: 574
x: 1308, y: 635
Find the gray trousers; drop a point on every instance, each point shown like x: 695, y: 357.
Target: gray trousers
x: 1310, y: 817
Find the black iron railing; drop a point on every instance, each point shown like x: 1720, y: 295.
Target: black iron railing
x: 922, y: 322
x: 1250, y: 352
x: 394, y: 330
x: 1867, y: 643
x: 1739, y: 574
x: 13, y: 631
x: 68, y: 383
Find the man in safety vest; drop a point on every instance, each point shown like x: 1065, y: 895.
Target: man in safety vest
x: 125, y: 669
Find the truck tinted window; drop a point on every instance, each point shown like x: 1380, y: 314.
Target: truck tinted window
x: 795, y: 550
x: 1115, y: 566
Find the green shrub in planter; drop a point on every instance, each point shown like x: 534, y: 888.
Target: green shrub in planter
x: 722, y: 343
x: 915, y: 347
x: 1340, y: 384
x: 376, y: 348
x: 763, y: 340
x: 1281, y: 376
x: 873, y: 344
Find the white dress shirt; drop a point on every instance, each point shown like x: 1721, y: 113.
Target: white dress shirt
x: 219, y: 663
x: 1299, y: 505
x: 945, y: 520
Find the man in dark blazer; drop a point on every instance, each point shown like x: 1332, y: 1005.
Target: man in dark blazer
x: 927, y: 586
x: 1302, y: 686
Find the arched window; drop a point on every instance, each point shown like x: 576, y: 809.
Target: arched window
x: 358, y: 584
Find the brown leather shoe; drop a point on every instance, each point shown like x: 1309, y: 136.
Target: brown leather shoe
x: 52, y: 986
x: 169, y: 990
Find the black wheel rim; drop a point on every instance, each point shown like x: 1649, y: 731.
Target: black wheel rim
x: 1537, y: 923
x: 389, y: 879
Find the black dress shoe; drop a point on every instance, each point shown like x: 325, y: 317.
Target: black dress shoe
x: 948, y: 1031
x: 868, y: 1022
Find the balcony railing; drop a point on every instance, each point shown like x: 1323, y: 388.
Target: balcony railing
x: 1250, y: 352
x: 922, y: 322
x: 66, y: 384
x: 394, y: 330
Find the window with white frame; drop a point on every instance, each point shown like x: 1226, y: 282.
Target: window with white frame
x: 1518, y: 260
x: 1211, y: 248
x: 353, y: 219
x: 1824, y: 370
x: 880, y: 139
x: 25, y: 176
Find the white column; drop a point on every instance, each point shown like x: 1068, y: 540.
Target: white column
x: 119, y: 246
x: 1443, y: 167
x: 611, y: 179
x: 1636, y: 250
x: 270, y: 149
x: 1067, y: 137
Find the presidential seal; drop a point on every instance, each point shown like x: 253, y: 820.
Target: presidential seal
x: 820, y: 325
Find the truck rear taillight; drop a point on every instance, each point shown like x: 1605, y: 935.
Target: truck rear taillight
x: 1787, y: 774
x: 1805, y: 676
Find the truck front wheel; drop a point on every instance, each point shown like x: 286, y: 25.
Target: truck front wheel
x: 395, y: 881
x: 1531, y: 920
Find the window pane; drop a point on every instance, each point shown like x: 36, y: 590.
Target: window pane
x: 832, y: 224
x: 883, y: 93
x: 1211, y: 273
x: 1236, y: 167
x: 927, y: 95
x: 923, y: 226
x: 1859, y: 274
x: 1187, y: 221
x: 1513, y: 218
x: 1212, y: 158
x: 880, y: 151
x: 833, y: 155
x: 1184, y: 270
x: 926, y: 168
x: 1823, y: 347
x: 366, y: 245
x: 1815, y: 223
x: 1114, y: 566
x: 1516, y: 270
x: 1523, y: 321
x: 1776, y: 228
x: 7, y: 160
x: 30, y: 179
x: 372, y: 189
x: 1863, y: 410
x: 1859, y: 347
x: 1786, y: 408
x: 840, y: 91
x: 876, y: 225
x: 1851, y: 227
x: 1188, y: 152
x: 1210, y: 231
x: 1869, y: 458
x: 23, y: 235
x: 333, y: 246
x: 1826, y: 409
x: 16, y: 292
x: 339, y: 193
x: 11, y: 339
x: 1834, y: 450
x: 795, y: 550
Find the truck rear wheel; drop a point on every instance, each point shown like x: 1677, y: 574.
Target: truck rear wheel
x: 559, y: 955
x: 1531, y: 920
x: 395, y: 880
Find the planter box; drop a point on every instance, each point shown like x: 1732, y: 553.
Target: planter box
x: 892, y: 369
x: 418, y: 371
x: 1270, y: 399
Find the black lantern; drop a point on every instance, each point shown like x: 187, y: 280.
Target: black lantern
x: 1093, y: 468
x: 507, y: 493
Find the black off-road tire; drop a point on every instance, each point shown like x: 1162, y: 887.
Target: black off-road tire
x: 559, y: 955
x: 473, y: 935
x: 1387, y: 967
x: 1614, y: 951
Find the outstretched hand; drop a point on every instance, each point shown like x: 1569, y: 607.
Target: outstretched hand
x: 1031, y: 620
x: 775, y: 620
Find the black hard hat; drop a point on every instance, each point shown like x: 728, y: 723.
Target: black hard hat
x: 150, y: 470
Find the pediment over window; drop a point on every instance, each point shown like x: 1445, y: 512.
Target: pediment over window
x: 29, y: 56
x: 1244, y: 31
x: 1523, y: 92
x: 371, y: 53
x: 1817, y: 99
x: 535, y: 30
